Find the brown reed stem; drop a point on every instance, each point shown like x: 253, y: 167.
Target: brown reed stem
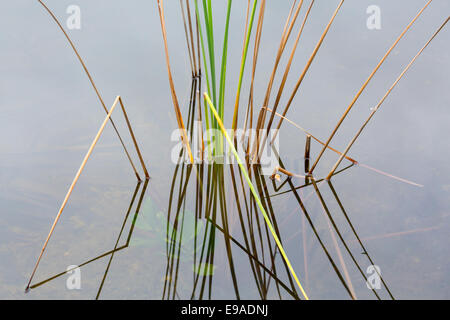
x: 66, y: 198
x: 353, y: 161
x: 288, y: 68
x: 316, y: 139
x: 147, y: 176
x: 187, y: 40
x: 249, y: 112
x: 191, y: 34
x: 93, y: 85
x: 172, y: 86
x: 365, y: 85
x: 330, y: 174
x: 308, y: 65
x: 307, y: 155
x: 284, y: 38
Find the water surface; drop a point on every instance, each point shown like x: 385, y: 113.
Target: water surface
x: 50, y: 115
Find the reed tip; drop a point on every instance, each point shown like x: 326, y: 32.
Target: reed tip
x: 27, y: 289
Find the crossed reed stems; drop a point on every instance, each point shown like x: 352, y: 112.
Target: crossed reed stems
x: 211, y: 193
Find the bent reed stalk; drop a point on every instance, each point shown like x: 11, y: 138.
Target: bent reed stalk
x: 91, y: 80
x: 72, y: 186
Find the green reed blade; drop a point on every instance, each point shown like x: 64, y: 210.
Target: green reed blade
x: 241, y: 72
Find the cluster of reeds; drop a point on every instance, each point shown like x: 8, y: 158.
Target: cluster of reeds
x: 235, y: 215
x: 221, y: 189
x: 211, y: 190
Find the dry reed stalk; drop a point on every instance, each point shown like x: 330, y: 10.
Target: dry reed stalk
x: 307, y: 152
x: 289, y: 24
x: 147, y: 176
x: 193, y: 69
x: 249, y: 112
x: 353, y: 161
x: 309, y: 134
x: 191, y: 34
x: 365, y: 85
x: 93, y: 85
x: 382, y: 101
x: 288, y: 67
x: 172, y: 86
x: 200, y: 125
x: 197, y: 32
x: 307, y: 155
x: 285, y: 75
x: 400, y: 233
x: 390, y: 175
x: 199, y: 77
x: 284, y: 38
x: 319, y: 181
x: 286, y: 172
x: 308, y: 65
x: 66, y: 198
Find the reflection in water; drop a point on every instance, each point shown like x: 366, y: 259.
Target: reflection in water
x: 192, y: 238
x: 80, y: 170
x: 257, y: 244
x: 211, y: 200
x: 116, y: 246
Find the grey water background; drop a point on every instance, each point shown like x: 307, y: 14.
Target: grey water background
x: 50, y: 114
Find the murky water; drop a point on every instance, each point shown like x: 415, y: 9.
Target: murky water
x: 126, y: 236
